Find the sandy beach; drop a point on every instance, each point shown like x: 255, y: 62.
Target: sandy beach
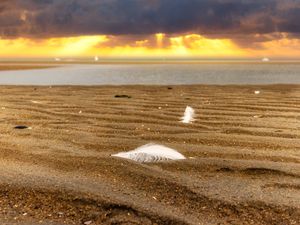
x: 242, y: 166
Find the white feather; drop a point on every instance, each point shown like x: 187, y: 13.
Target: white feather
x: 188, y: 115
x: 151, y: 153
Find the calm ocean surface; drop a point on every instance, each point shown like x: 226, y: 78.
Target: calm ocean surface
x: 157, y: 74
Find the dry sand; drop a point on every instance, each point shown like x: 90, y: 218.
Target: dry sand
x: 243, y: 152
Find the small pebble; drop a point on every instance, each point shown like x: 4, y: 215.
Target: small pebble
x: 122, y: 96
x: 22, y: 127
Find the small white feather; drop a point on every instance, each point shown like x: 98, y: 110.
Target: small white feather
x: 151, y: 153
x: 188, y: 115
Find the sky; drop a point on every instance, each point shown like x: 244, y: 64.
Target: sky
x: 150, y: 28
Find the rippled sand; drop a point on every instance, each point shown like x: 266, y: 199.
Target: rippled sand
x: 243, y: 153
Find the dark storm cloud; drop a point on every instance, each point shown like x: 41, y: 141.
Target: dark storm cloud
x: 221, y: 18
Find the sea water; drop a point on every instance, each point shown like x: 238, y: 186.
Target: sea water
x: 157, y: 74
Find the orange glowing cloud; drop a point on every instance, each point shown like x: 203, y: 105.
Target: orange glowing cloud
x: 180, y: 46
x: 284, y: 47
x: 61, y: 47
x: 158, y: 45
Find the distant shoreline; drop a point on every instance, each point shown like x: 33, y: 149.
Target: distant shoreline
x: 23, y: 67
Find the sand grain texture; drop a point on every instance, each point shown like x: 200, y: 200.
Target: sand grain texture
x: 242, y: 166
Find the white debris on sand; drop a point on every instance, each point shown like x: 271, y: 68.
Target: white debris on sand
x: 151, y: 153
x: 257, y: 92
x: 188, y: 115
x: 36, y: 102
x: 265, y: 59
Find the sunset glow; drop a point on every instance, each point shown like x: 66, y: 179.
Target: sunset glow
x: 143, y: 28
x: 86, y: 46
x: 158, y: 45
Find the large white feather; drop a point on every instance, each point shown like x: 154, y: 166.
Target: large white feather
x: 188, y: 115
x: 151, y: 153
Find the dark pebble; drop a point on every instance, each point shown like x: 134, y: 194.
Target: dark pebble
x: 122, y: 96
x: 21, y: 127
